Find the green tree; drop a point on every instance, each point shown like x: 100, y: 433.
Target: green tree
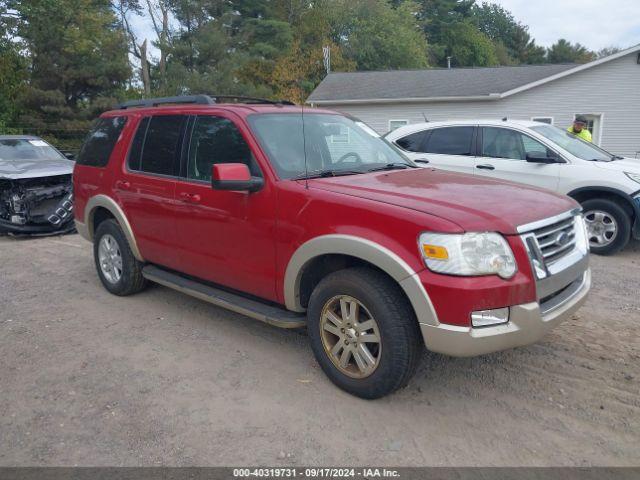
x: 13, y: 72
x: 77, y: 60
x: 501, y: 27
x: 564, y: 51
x: 376, y: 36
x: 467, y: 46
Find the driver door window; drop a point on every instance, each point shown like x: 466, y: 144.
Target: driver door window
x: 216, y: 140
x: 504, y: 153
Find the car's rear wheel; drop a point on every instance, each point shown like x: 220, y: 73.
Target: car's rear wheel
x: 363, y: 332
x: 608, y: 226
x: 118, y: 269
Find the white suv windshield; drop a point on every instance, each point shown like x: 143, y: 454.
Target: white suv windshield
x: 325, y: 142
x: 27, y: 149
x: 573, y: 145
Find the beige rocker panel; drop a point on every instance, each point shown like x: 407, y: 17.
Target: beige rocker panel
x: 87, y: 231
x: 368, y: 251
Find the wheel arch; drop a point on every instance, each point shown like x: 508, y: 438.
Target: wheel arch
x: 624, y: 200
x: 339, y: 247
x: 100, y: 203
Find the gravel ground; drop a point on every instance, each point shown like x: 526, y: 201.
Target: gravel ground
x: 159, y: 378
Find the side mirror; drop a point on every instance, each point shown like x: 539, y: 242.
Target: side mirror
x: 69, y: 155
x: 234, y: 176
x: 540, y: 157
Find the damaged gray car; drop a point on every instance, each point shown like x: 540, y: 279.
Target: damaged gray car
x: 36, y: 196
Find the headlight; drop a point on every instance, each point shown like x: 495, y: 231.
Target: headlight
x: 582, y: 234
x: 633, y: 176
x: 469, y: 254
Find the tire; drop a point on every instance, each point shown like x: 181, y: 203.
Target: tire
x: 130, y: 279
x: 400, y: 346
x: 614, y: 217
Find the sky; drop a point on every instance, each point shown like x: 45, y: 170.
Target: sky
x: 594, y: 23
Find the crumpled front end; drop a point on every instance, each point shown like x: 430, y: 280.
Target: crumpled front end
x: 36, y: 206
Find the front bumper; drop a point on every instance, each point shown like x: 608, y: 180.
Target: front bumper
x: 526, y: 325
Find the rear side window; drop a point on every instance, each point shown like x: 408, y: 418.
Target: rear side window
x: 451, y: 141
x: 413, y: 142
x: 156, y: 145
x: 98, y: 145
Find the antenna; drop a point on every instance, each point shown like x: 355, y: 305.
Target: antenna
x: 425, y: 117
x: 304, y: 150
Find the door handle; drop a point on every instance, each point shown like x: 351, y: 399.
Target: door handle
x: 421, y: 160
x: 123, y: 185
x: 190, y: 197
x: 486, y: 167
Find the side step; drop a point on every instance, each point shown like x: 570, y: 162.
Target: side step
x: 278, y: 317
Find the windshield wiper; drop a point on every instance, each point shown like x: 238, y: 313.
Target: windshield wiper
x: 391, y: 166
x: 616, y: 157
x: 326, y: 173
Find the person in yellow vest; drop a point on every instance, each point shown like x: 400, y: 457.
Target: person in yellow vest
x: 579, y: 129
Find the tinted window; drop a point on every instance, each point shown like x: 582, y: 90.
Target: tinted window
x: 135, y: 155
x: 505, y: 143
x: 162, y: 144
x: 451, y: 141
x: 413, y: 142
x: 99, y: 144
x: 217, y: 140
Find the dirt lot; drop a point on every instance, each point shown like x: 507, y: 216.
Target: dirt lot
x: 87, y: 378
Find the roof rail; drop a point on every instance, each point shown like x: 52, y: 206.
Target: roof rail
x: 198, y: 100
x: 154, y: 102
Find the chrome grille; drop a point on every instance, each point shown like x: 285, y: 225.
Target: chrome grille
x: 556, y: 240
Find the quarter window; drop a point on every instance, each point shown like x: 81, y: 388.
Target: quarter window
x: 160, y: 147
x: 217, y: 140
x: 413, y: 142
x: 451, y: 141
x: 98, y: 145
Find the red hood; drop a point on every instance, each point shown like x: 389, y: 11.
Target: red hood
x: 474, y: 203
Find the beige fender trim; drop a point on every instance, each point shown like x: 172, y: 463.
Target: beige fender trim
x: 368, y: 251
x: 87, y: 230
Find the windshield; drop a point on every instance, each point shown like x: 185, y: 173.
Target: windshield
x: 572, y: 144
x: 27, y: 149
x: 333, y: 143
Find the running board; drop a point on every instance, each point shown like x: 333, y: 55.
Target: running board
x: 270, y: 314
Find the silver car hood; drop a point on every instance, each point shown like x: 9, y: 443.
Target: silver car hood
x: 15, y: 169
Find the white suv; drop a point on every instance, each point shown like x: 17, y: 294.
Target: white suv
x: 607, y: 186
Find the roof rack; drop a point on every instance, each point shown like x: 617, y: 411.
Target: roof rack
x: 198, y: 100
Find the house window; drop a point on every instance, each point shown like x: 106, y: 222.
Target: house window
x: 547, y: 120
x: 393, y: 124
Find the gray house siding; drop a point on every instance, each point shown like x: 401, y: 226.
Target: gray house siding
x: 610, y: 89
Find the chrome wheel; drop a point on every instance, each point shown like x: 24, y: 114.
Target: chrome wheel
x: 110, y: 259
x: 602, y: 228
x: 350, y: 336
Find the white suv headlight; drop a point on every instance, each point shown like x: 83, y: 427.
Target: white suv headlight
x: 633, y: 176
x: 469, y: 254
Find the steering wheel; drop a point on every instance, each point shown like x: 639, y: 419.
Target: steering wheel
x: 342, y: 159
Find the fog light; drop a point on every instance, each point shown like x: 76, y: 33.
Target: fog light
x: 485, y: 318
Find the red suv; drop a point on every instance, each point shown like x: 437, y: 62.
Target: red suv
x: 305, y: 217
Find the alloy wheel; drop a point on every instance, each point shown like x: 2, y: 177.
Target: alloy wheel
x: 602, y: 228
x: 350, y: 336
x: 110, y: 259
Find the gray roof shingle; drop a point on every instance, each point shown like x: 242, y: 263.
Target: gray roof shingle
x: 430, y: 83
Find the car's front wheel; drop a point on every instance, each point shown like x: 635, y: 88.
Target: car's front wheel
x: 117, y: 267
x: 608, y: 226
x: 363, y: 332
